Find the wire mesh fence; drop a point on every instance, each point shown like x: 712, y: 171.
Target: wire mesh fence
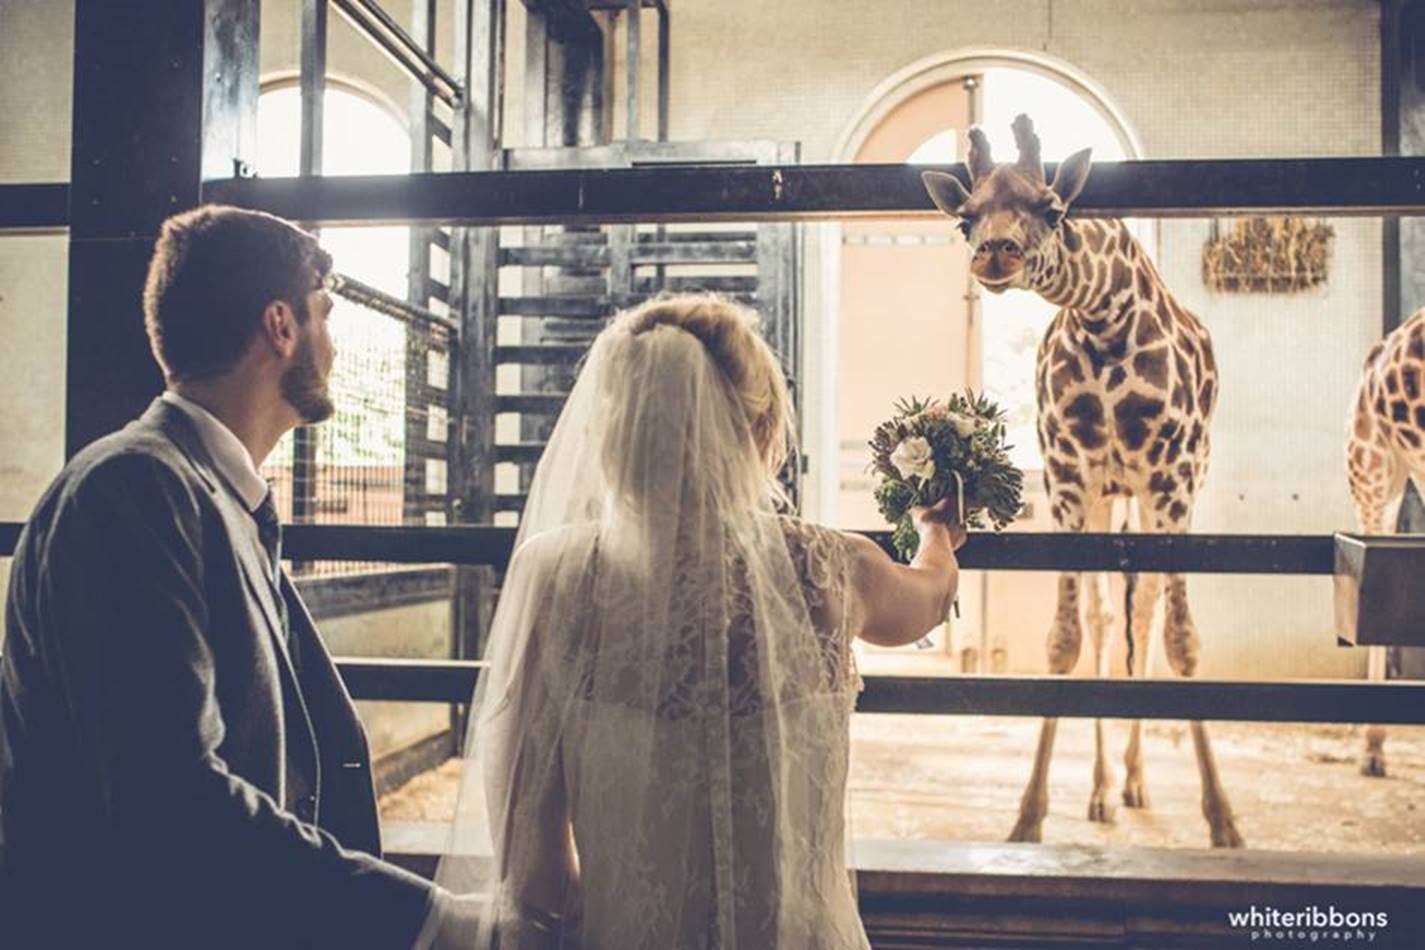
x: 379, y: 459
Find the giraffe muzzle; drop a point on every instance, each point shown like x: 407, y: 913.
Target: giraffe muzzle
x: 996, y: 273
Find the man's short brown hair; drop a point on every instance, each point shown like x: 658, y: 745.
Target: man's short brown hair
x: 214, y: 270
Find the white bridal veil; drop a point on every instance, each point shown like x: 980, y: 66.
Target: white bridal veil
x: 657, y: 750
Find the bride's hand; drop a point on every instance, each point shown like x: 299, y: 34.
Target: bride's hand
x: 943, y: 513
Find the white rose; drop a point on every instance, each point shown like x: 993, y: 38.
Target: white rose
x: 964, y: 425
x: 912, y: 458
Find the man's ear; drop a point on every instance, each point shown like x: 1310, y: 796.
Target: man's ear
x: 279, y: 327
x: 946, y: 191
x: 1071, y: 174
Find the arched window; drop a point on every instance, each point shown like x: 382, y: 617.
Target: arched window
x: 910, y: 320
x: 356, y: 468
x: 921, y: 117
x: 1012, y: 323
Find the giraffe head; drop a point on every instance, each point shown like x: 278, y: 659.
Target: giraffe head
x: 1010, y: 216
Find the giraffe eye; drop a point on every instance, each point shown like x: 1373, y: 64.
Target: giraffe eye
x: 1053, y: 215
x: 966, y: 225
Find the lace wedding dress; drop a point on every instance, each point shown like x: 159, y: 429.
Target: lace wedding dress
x: 658, y: 750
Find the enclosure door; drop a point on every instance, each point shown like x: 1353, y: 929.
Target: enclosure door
x: 906, y: 326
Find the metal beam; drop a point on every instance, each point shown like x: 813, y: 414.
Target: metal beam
x: 377, y: 25
x: 1335, y: 186
x: 1224, y: 700
x: 448, y: 681
x: 1011, y: 551
x: 37, y: 207
x: 373, y: 298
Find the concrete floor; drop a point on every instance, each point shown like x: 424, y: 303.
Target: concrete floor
x: 1292, y: 787
x: 954, y: 778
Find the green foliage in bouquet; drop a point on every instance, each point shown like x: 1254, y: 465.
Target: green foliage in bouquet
x: 918, y: 451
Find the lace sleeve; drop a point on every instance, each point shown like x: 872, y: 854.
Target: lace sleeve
x: 822, y: 557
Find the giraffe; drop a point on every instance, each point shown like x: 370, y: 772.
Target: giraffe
x: 1126, y: 384
x: 1385, y: 446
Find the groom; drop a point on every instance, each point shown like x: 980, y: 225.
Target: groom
x: 179, y: 763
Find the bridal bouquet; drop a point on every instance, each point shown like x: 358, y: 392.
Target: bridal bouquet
x: 930, y: 450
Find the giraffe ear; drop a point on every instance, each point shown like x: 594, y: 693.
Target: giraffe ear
x: 1071, y: 174
x: 946, y: 191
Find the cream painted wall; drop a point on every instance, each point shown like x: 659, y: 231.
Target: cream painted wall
x: 36, y: 89
x: 421, y: 630
x: 1210, y: 79
x: 36, y: 48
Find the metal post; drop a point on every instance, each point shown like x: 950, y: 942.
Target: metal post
x: 475, y: 141
x: 634, y: 26
x: 1402, y: 25
x: 664, y: 71
x: 423, y: 26
x: 313, y: 86
x: 157, y: 111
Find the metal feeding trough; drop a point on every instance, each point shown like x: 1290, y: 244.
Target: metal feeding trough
x: 1380, y: 590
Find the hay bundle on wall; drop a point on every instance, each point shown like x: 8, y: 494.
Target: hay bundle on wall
x: 1267, y: 255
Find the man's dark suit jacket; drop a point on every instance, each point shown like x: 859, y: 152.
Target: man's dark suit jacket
x: 168, y: 775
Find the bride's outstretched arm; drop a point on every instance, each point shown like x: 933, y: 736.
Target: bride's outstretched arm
x: 900, y: 603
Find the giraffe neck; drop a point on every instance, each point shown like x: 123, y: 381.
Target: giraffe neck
x: 1097, y: 271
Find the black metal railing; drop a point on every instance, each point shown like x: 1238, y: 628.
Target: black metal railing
x: 453, y: 681
x: 653, y: 194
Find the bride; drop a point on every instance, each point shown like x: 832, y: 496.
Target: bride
x: 658, y: 748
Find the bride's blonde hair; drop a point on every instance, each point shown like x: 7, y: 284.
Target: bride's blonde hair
x: 731, y: 334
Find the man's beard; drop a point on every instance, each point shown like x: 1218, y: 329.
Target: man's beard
x: 304, y: 386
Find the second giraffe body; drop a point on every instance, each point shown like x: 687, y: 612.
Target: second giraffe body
x: 1126, y: 385
x: 1385, y: 447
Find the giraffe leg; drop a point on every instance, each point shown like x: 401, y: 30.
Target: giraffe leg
x: 1143, y: 599
x: 1373, y: 756
x: 1180, y: 638
x: 1377, y: 482
x: 1034, y: 805
x: 1065, y: 641
x: 1215, y: 807
x: 1183, y: 651
x: 1100, y: 622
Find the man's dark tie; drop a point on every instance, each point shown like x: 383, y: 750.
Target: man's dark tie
x: 269, y: 533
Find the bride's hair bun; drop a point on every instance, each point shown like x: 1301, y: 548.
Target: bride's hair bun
x: 731, y: 335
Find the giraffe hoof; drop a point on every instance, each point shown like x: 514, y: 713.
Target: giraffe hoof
x: 1373, y: 765
x: 1135, y: 795
x: 1226, y: 836
x: 1027, y: 831
x: 1099, y: 808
